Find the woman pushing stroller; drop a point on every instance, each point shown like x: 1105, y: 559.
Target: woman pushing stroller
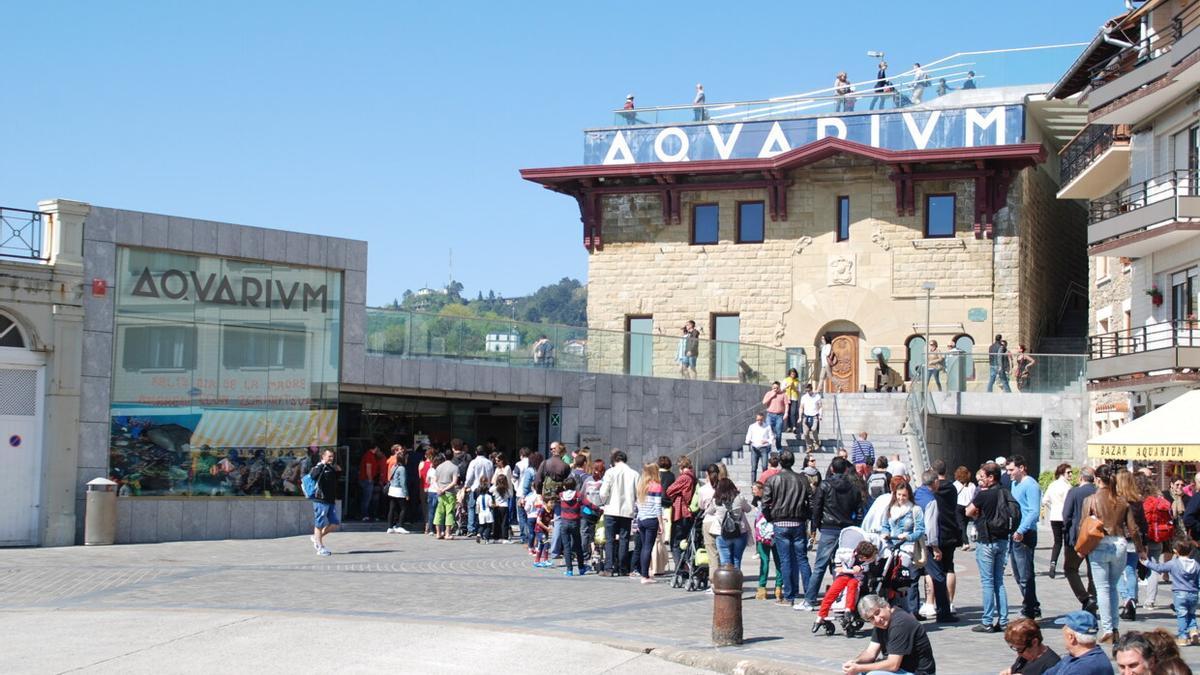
x: 902, y: 527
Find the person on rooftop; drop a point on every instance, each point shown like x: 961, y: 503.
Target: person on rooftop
x: 969, y: 83
x: 628, y: 114
x: 699, y: 112
x: 881, y: 84
x: 842, y: 88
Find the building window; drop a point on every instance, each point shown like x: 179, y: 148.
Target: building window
x: 639, y: 345
x: 843, y: 218
x: 914, y: 360
x: 939, y: 216
x: 159, y: 348
x: 1185, y: 294
x: 750, y: 228
x: 274, y: 346
x: 966, y: 344
x: 727, y: 332
x: 1102, y: 268
x: 706, y: 224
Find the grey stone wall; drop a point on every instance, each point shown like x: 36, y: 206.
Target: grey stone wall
x: 145, y: 520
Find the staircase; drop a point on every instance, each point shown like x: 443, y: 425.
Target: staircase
x: 882, y: 416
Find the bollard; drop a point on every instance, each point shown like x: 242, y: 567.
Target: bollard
x: 100, y: 521
x: 727, y: 606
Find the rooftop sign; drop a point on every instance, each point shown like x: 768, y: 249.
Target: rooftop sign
x: 899, y: 130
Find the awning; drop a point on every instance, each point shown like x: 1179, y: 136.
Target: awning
x: 265, y: 428
x: 1168, y: 433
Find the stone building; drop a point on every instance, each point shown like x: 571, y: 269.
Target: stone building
x: 1136, y: 164
x: 833, y: 224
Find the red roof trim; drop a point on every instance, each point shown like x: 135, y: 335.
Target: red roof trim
x: 803, y: 155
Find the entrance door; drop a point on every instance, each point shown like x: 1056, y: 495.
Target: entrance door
x: 843, y: 376
x: 20, y: 453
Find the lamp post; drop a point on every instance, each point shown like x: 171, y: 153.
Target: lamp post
x: 928, y: 286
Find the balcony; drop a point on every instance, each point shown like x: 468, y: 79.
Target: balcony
x: 1145, y: 217
x: 21, y: 235
x: 1150, y: 74
x: 1095, y: 162
x: 1145, y: 357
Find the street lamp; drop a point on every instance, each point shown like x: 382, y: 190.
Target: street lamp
x: 928, y: 286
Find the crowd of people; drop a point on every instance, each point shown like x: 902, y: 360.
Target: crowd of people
x: 888, y: 538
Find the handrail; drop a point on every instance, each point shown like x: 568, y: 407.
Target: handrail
x: 1091, y: 142
x: 915, y: 408
x: 717, y: 431
x: 1139, y: 339
x: 1176, y: 183
x: 838, y: 413
x: 21, y: 234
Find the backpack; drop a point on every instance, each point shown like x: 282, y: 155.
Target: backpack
x: 877, y: 484
x: 1159, y: 525
x: 731, y: 526
x: 309, y: 485
x: 1007, y: 517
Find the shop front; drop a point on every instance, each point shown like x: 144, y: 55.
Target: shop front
x: 225, y: 374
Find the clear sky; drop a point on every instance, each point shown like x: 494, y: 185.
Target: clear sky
x: 406, y: 123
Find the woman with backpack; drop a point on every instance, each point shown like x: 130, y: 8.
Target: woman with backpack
x: 1160, y: 530
x: 729, y: 510
x: 1107, y: 559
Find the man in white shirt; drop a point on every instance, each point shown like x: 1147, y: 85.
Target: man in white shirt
x: 810, y: 413
x: 618, y: 496
x: 479, y: 467
x: 761, y: 439
x: 896, y: 467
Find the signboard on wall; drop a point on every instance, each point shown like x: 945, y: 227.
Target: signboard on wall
x: 595, y: 442
x: 900, y: 130
x: 1062, y: 440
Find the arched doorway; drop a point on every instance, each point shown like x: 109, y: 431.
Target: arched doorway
x: 21, y: 403
x: 845, y: 340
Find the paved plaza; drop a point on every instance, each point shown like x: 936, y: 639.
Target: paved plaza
x: 414, y: 604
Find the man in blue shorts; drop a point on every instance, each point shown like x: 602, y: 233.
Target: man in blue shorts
x: 324, y: 500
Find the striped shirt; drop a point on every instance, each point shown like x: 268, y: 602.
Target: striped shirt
x: 569, y: 508
x: 862, y: 452
x: 651, y: 506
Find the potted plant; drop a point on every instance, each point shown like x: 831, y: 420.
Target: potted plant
x: 1156, y: 296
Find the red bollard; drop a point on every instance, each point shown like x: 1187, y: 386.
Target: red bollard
x: 727, y: 606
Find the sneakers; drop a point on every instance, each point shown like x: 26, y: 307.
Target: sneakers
x: 313, y: 539
x: 398, y: 530
x: 584, y: 569
x: 568, y: 573
x: 761, y: 593
x: 324, y: 551
x: 985, y: 628
x: 803, y: 606
x: 649, y: 580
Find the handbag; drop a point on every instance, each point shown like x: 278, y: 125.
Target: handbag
x: 395, y: 491
x: 1091, y: 531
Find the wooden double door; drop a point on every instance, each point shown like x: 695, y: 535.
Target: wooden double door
x: 843, y: 373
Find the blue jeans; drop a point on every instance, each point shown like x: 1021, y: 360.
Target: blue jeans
x: 1022, y: 569
x: 1128, y: 588
x: 572, y: 544
x: 826, y: 547
x: 1107, y: 563
x: 758, y: 456
x: 472, y: 525
x: 791, y: 547
x: 935, y: 375
x: 990, y: 556
x: 647, y: 534
x: 431, y: 499
x: 998, y: 373
x: 523, y: 522
x: 731, y: 550
x: 366, y: 491
x: 1185, y: 612
x: 775, y: 421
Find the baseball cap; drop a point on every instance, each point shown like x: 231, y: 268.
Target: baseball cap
x: 1078, y: 621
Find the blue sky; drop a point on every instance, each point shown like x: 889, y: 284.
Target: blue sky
x: 405, y: 124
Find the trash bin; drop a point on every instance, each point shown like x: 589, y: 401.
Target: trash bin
x: 100, y: 521
x: 958, y: 364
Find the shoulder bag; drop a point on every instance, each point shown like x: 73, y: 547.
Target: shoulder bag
x: 1091, y: 530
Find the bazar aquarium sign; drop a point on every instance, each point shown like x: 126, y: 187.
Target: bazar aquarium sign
x: 234, y: 291
x: 901, y: 130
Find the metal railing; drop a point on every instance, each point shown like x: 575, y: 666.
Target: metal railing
x: 1087, y: 147
x: 1148, y: 48
x: 1178, y: 183
x: 1165, y: 335
x: 705, y: 448
x: 21, y: 234
x: 963, y: 70
x: 502, y: 342
x: 914, y: 407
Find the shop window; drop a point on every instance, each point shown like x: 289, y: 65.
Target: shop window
x: 939, y: 216
x: 158, y: 348
x: 639, y: 345
x: 277, y: 346
x: 706, y: 224
x: 843, y: 218
x: 750, y: 223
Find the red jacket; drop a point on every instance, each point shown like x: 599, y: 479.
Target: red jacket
x: 680, y: 493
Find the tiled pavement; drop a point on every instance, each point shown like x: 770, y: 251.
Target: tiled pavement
x: 415, y: 579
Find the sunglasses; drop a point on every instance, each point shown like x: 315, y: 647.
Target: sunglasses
x: 1018, y: 648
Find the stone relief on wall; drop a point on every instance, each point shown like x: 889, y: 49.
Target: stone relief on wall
x: 880, y: 240
x: 801, y: 244
x: 842, y: 270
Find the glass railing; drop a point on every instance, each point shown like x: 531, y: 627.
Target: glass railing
x: 947, y: 82
x: 504, y: 342
x: 983, y: 372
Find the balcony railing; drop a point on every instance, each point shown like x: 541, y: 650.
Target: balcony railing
x: 946, y: 76
x: 21, y: 234
x: 974, y: 371
x: 1179, y: 183
x: 1139, y: 339
x: 1085, y: 148
x: 1148, y: 49
x: 508, y: 343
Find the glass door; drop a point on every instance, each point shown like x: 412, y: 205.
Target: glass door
x: 727, y: 331
x: 639, y: 347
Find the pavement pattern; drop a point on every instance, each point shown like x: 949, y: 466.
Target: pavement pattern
x: 403, y: 590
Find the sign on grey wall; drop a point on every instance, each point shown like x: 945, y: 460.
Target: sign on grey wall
x: 1062, y: 439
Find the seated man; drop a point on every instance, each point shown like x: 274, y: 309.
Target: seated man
x: 907, y: 645
x: 1083, y: 656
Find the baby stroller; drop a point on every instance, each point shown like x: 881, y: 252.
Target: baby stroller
x: 893, y: 578
x: 693, y: 565
x: 849, y: 619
